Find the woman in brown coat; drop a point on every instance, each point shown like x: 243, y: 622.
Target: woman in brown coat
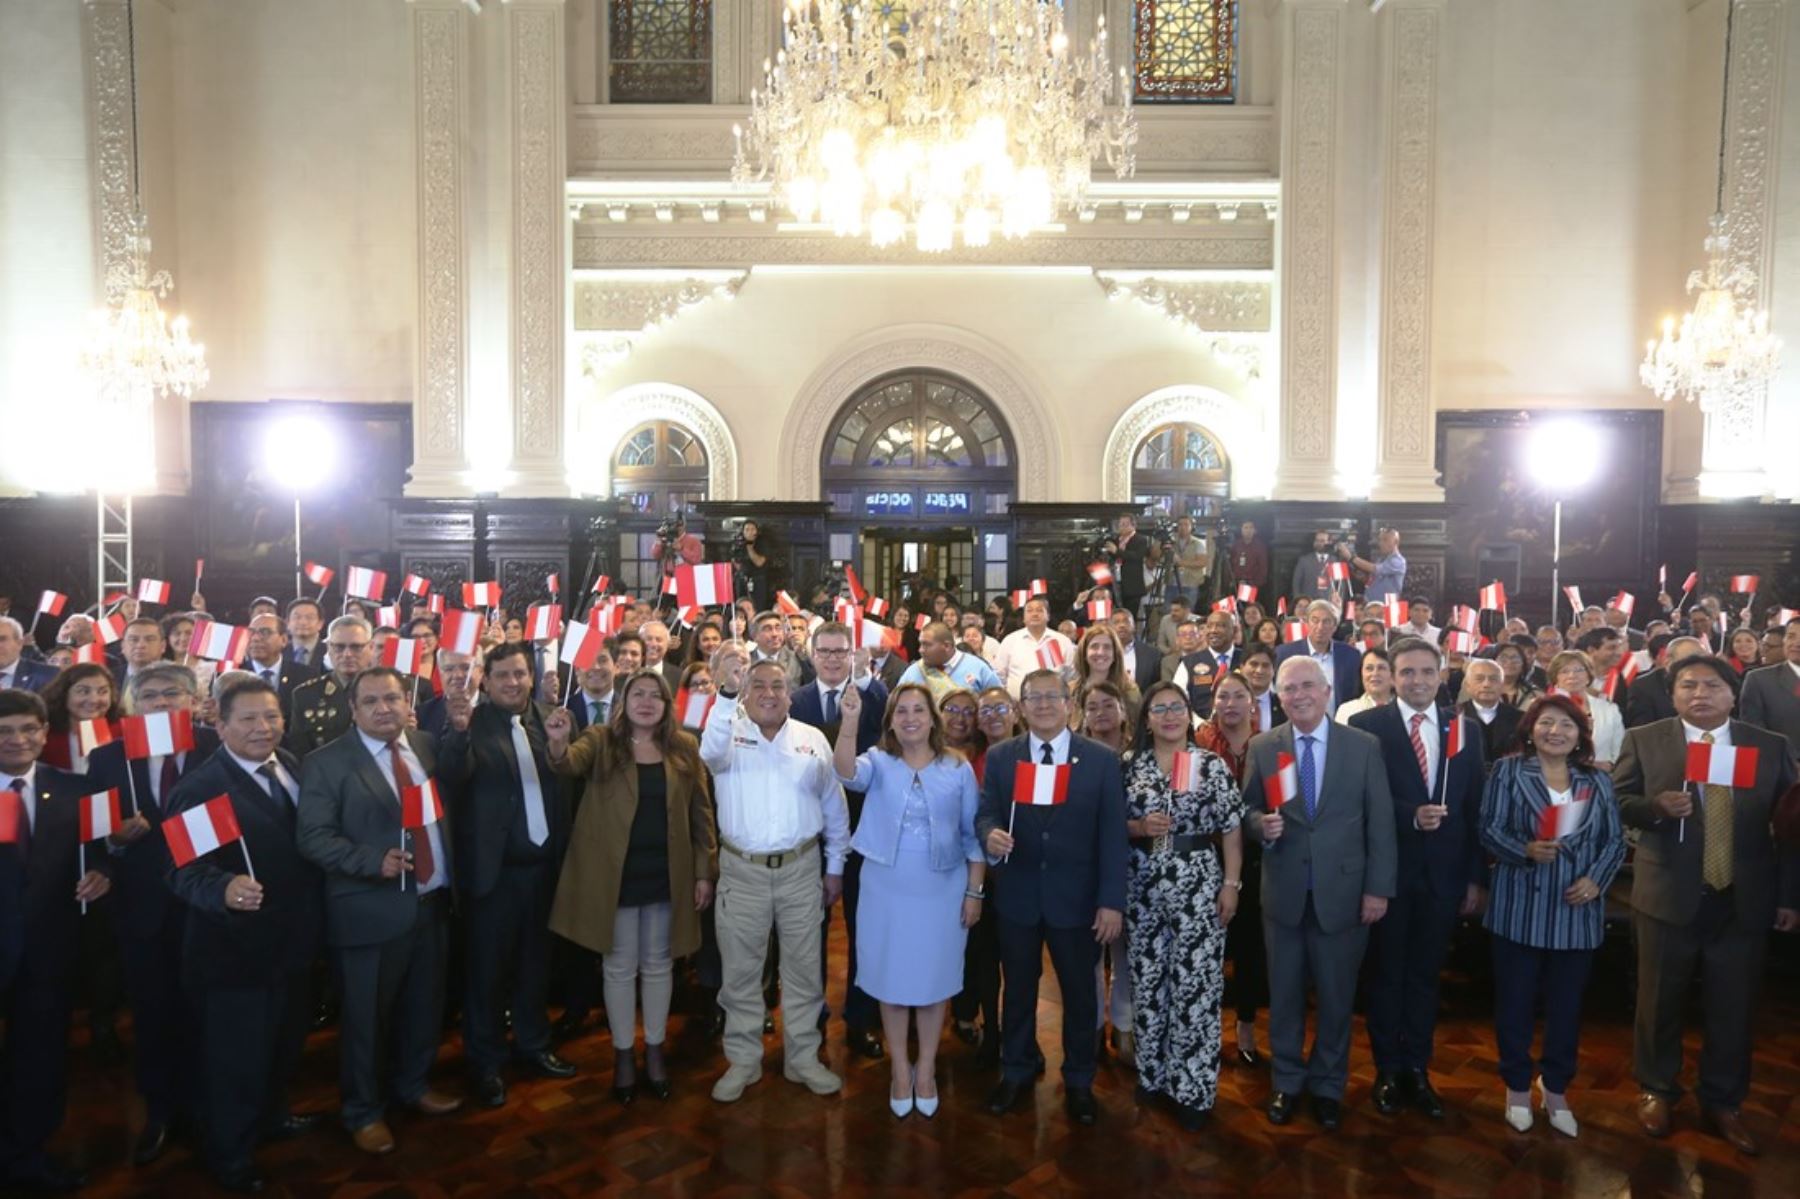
x: 642, y: 860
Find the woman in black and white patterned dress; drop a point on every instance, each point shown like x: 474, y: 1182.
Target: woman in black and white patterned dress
x: 1181, y: 891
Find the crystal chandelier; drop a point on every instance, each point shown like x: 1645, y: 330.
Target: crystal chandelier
x: 1722, y: 354
x: 133, y: 353
x: 965, y: 117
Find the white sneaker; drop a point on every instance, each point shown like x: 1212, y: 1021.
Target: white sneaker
x: 813, y: 1077
x: 733, y: 1083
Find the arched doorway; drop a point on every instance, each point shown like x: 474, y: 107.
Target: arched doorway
x: 920, y: 469
x: 1180, y: 469
x: 658, y: 468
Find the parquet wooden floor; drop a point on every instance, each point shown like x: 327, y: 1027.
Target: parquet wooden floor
x: 569, y: 1138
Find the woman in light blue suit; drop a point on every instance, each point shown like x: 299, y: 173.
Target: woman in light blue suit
x: 922, y: 878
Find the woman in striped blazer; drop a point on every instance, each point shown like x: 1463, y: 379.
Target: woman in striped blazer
x: 1552, y: 823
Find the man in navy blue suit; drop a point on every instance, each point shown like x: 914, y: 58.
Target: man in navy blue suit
x: 1062, y: 886
x: 15, y: 671
x: 1441, y: 873
x: 817, y: 704
x: 1342, y: 663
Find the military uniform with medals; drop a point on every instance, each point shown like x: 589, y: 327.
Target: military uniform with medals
x: 319, y: 713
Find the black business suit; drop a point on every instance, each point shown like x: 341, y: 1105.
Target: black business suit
x: 387, y: 941
x: 1407, y: 946
x: 40, y: 928
x: 1202, y: 669
x: 1498, y: 737
x: 1647, y: 700
x: 26, y: 675
x: 284, y: 676
x: 1148, y: 665
x: 579, y: 706
x: 148, y: 922
x: 504, y: 881
x: 249, y: 972
x: 1067, y: 862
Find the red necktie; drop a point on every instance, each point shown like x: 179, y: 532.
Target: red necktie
x: 424, y: 865
x: 24, y: 842
x: 171, y: 774
x: 1419, y: 750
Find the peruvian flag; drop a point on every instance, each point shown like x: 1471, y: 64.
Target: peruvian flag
x: 872, y: 634
x: 1493, y: 597
x: 1020, y: 596
x: 554, y: 584
x: 219, y: 642
x: 1101, y: 573
x: 1620, y: 676
x: 1246, y: 593
x: 1338, y: 572
x: 481, y: 595
x: 1099, y: 609
x: 1185, y: 771
x: 12, y: 815
x: 1283, y: 786
x: 1562, y: 820
x: 609, y: 618
x: 1574, y: 594
x: 1281, y: 605
x: 158, y: 733
x: 1394, y: 612
x: 420, y: 806
x: 93, y: 651
x: 1783, y: 616
x: 1745, y: 584
x: 856, y: 588
x: 1225, y: 604
x: 668, y: 585
x: 1040, y: 786
x: 1693, y: 581
x: 403, y: 654
x: 100, y: 815
x: 1662, y: 577
x: 320, y: 575
x: 1624, y: 602
x: 1294, y: 630
x: 876, y: 607
x: 1453, y: 738
x: 1460, y: 641
x: 1038, y: 587
x: 111, y: 628
x: 417, y: 585
x: 706, y: 584
x: 363, y: 583
x: 543, y: 621
x: 582, y: 645
x: 198, y: 831
x: 693, y: 707
x: 602, y: 585
x: 921, y: 620
x: 1050, y: 654
x: 435, y: 605
x: 691, y: 617
x: 1721, y: 765
x: 387, y: 616
x: 152, y: 591
x: 461, y: 632
x: 52, y: 603
x: 1467, y: 619
x: 845, y: 612
x: 786, y: 604
x: 92, y: 734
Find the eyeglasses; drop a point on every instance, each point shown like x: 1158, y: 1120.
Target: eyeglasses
x: 958, y: 710
x: 995, y: 710
x: 1167, y: 709
x: 820, y: 652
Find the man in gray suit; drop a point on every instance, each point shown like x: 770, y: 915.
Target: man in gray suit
x: 1708, y: 882
x: 1328, y: 873
x: 1772, y: 694
x: 387, y: 905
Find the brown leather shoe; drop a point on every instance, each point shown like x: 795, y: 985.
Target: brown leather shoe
x: 436, y: 1103
x: 374, y: 1138
x: 1653, y: 1114
x: 1730, y: 1125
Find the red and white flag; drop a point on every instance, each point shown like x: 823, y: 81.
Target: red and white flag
x: 153, y: 591
x: 1225, y: 603
x: 1562, y: 820
x: 691, y: 617
x: 1038, y: 587
x: 602, y: 585
x: 100, y: 815
x: 872, y: 634
x: 1574, y: 594
x: 1101, y: 573
x: 93, y: 651
x: 52, y: 603
x: 1019, y: 597
x: 1745, y: 584
x: 1453, y: 738
x: 1338, y: 572
x: 1050, y: 654
x: 786, y: 604
x: 1281, y: 605
x: 361, y: 582
x: 461, y: 633
x: 92, y: 734
x: 403, y: 654
x: 219, y: 642
x: 198, y: 831
x: 693, y: 707
x: 845, y: 612
x: 855, y: 584
x: 1624, y: 602
x: 543, y: 621
x: 609, y: 616
x: 1693, y: 581
x: 876, y: 607
x: 668, y: 585
x: 481, y: 595
x: 417, y: 585
x: 1784, y: 616
x: 1721, y: 765
x: 921, y: 620
x: 199, y: 571
x: 435, y: 605
x: 1493, y: 597
x: 1394, y: 612
x: 321, y: 576
x: 554, y: 584
x: 387, y: 616
x: 1466, y: 618
x: 582, y: 645
x: 1185, y: 772
x: 705, y: 584
x: 1294, y: 630
x: 111, y: 628
x: 157, y: 733
x: 1100, y: 609
x: 1662, y: 577
x: 1461, y: 641
x: 12, y: 815
x: 1282, y: 787
x: 1620, y: 676
x: 1040, y: 786
x: 1246, y: 593
x: 420, y: 806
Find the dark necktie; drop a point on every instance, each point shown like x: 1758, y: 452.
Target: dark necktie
x: 424, y: 865
x: 1309, y: 777
x: 268, y: 675
x: 1049, y: 757
x: 171, y: 774
x: 831, y: 706
x: 24, y: 842
x: 276, y: 790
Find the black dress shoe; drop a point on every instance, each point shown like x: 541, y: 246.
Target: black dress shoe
x: 1281, y: 1107
x: 567, y: 1026
x: 1386, y: 1093
x: 661, y: 1088
x: 294, y: 1124
x: 1248, y: 1057
x: 1004, y: 1097
x: 1330, y: 1113
x: 1082, y: 1108
x: 546, y: 1065
x: 1424, y: 1098
x: 324, y: 1016
x: 242, y: 1182
x: 490, y: 1091
x: 968, y: 1032
x: 1192, y: 1119
x: 150, y: 1143
x: 42, y: 1175
x: 988, y: 1056
x: 864, y: 1043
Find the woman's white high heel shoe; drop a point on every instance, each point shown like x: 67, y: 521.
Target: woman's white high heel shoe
x: 901, y: 1108
x: 927, y: 1107
x: 1517, y: 1115
x: 1561, y: 1119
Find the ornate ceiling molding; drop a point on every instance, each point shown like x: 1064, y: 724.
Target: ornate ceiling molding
x: 1204, y: 305
x: 615, y: 310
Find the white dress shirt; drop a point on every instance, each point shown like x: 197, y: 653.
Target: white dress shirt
x: 440, y: 876
x: 153, y: 767
x: 1059, y: 749
x: 1486, y: 715
x: 773, y: 793
x: 1428, y: 733
x: 1019, y: 656
x: 28, y: 795
x: 286, y: 780
x: 1720, y: 735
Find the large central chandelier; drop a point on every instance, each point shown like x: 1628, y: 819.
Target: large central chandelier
x: 1721, y: 354
x: 952, y: 117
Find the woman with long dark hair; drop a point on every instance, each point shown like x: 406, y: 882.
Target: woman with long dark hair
x: 85, y: 691
x: 1227, y: 733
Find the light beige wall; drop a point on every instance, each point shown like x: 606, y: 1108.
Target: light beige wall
x: 1784, y: 293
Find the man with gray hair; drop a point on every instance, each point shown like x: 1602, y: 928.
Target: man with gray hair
x: 1341, y: 663
x: 319, y: 710
x: 1483, y: 700
x: 14, y: 670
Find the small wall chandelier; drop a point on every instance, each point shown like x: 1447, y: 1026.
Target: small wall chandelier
x: 1721, y: 354
x: 951, y: 117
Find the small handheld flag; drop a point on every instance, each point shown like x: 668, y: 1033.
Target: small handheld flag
x: 876, y: 607
x: 153, y: 591
x: 481, y: 595
x: 1246, y: 593
x: 855, y: 584
x: 362, y: 583
x: 706, y: 584
x: 100, y: 815
x: 1562, y: 820
x: 462, y: 631
x: 921, y: 620
x: 1453, y: 738
x: 543, y: 622
x: 693, y: 707
x: 1101, y: 573
x: 1574, y: 594
x: 602, y: 585
x: 420, y: 806
x: 435, y: 605
x: 786, y: 604
x: 1294, y: 630
x: 198, y: 831
x: 1185, y: 771
x: 553, y: 584
x: 12, y: 816
x: 1721, y: 765
x: 1050, y: 654
x: 219, y: 642
x: 52, y: 603
x: 1460, y: 641
x: 111, y: 628
x: 1018, y: 598
x: 93, y: 651
x: 157, y: 733
x: 1624, y: 602
x: 1281, y: 605
x: 582, y: 645
x: 387, y: 616
x: 92, y: 734
x: 1745, y: 584
x: 321, y: 576
x: 1225, y: 603
x: 1282, y: 787
x: 1394, y: 612
x: 403, y: 654
x: 1100, y: 609
x: 1493, y: 597
x: 1693, y: 581
x: 1040, y: 786
x: 417, y: 585
x: 1338, y: 572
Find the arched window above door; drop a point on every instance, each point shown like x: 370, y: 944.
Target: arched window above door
x: 917, y: 422
x: 1180, y: 469
x: 660, y: 466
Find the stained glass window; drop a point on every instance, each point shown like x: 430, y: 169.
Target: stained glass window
x: 1185, y: 51
x: 660, y: 52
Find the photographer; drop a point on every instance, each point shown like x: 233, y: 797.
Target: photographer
x: 1387, y: 573
x: 749, y: 553
x: 675, y: 546
x: 1131, y: 551
x: 1192, y: 561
